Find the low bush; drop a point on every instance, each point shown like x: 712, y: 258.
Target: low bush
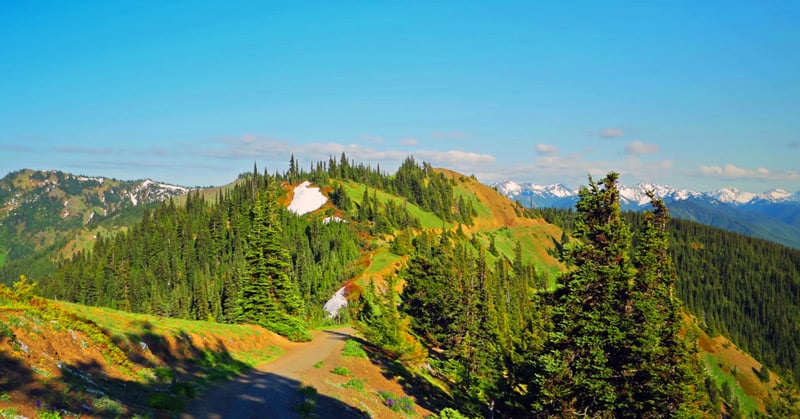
x: 353, y: 349
x: 166, y: 401
x: 343, y: 371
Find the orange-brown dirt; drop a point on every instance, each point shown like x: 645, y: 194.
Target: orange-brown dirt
x: 32, y: 350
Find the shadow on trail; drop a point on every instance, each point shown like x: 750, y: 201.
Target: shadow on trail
x: 259, y: 394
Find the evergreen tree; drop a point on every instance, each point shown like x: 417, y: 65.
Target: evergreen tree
x: 612, y: 347
x: 660, y: 373
x: 268, y: 295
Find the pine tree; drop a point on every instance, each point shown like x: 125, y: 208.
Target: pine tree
x: 268, y: 296
x: 659, y: 374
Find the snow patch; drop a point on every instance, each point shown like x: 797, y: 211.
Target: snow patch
x: 328, y: 220
x: 306, y: 199
x: 336, y: 303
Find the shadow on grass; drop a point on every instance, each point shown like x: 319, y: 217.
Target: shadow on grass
x: 423, y: 392
x: 146, y: 374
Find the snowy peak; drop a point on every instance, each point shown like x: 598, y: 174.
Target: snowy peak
x: 778, y: 195
x: 637, y: 195
x: 148, y: 191
x: 732, y: 196
x: 509, y: 188
x: 558, y: 195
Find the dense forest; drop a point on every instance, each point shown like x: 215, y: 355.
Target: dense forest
x: 197, y: 260
x: 606, y: 341
x: 745, y: 288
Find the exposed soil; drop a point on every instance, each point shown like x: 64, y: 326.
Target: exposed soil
x: 273, y: 390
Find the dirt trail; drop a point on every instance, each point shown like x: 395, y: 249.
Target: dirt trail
x: 271, y: 390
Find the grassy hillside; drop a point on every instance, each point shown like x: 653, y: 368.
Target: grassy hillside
x: 95, y: 362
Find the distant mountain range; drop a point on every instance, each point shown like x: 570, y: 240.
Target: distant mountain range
x: 773, y: 215
x: 40, y: 208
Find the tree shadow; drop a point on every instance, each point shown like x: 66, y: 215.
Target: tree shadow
x: 158, y: 377
x: 423, y: 392
x: 259, y: 394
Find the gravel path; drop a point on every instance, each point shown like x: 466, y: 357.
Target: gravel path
x: 271, y: 390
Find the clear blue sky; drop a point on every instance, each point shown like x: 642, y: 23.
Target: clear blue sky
x: 693, y: 94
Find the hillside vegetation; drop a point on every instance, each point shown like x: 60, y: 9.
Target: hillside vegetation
x: 64, y: 359
x: 479, y: 304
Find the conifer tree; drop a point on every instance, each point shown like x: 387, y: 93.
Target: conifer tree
x: 659, y: 373
x: 268, y: 296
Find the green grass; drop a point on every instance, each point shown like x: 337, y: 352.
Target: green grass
x: 483, y: 211
x: 533, y: 241
x: 354, y: 384
x: 747, y: 404
x: 343, y: 371
x: 353, y: 349
x: 382, y: 260
x: 355, y: 192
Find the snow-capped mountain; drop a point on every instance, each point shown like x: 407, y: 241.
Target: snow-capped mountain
x: 772, y: 215
x: 39, y: 208
x: 558, y: 195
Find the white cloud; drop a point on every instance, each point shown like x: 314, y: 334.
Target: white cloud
x: 249, y: 147
x: 612, y: 133
x: 409, y: 141
x: 730, y: 171
x: 454, y: 156
x: 547, y: 149
x: 638, y: 148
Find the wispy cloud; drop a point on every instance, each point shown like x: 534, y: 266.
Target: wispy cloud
x: 793, y: 144
x: 638, y: 148
x: 546, y: 149
x: 82, y: 150
x: 452, y: 135
x: 730, y: 171
x: 249, y: 147
x: 409, y: 141
x: 572, y: 169
x: 612, y: 133
x: 17, y: 148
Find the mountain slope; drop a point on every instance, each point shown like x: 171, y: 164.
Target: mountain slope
x: 39, y: 210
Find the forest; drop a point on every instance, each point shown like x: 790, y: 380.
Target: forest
x: 608, y: 340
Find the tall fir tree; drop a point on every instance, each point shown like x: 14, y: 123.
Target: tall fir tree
x: 612, y: 347
x: 268, y: 295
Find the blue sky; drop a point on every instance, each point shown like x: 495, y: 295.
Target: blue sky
x: 693, y: 94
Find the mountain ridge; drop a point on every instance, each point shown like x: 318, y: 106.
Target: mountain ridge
x: 772, y: 215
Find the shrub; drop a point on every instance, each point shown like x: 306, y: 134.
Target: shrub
x: 353, y: 349
x: 449, y: 413
x: 164, y: 374
x: 307, y: 404
x: 184, y: 389
x: 400, y: 405
x: 48, y: 414
x: 5, y: 332
x: 319, y: 364
x: 290, y: 327
x: 108, y: 407
x: 354, y: 384
x: 343, y: 371
x: 166, y: 401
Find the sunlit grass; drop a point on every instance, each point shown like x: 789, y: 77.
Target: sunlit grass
x: 747, y: 404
